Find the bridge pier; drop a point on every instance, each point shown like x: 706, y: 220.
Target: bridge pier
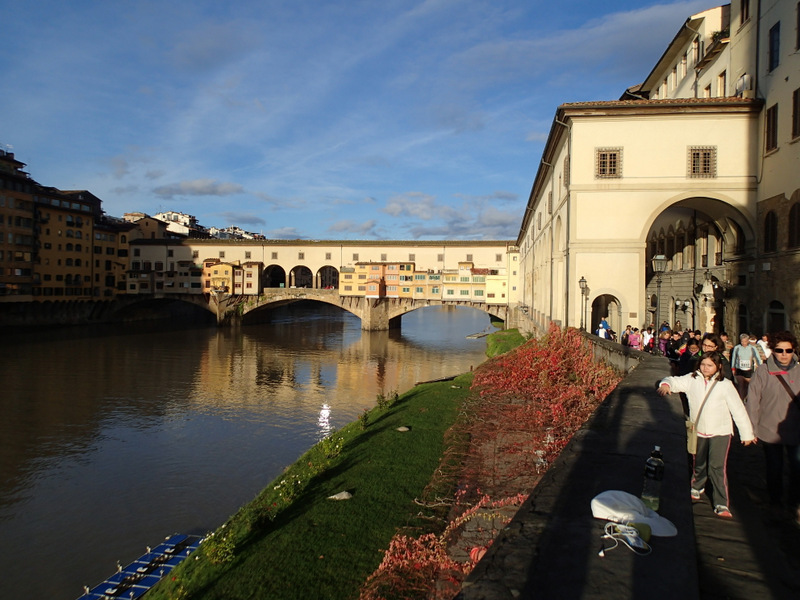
x: 375, y: 316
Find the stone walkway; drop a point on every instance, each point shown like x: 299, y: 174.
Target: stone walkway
x: 754, y: 555
x: 550, y: 549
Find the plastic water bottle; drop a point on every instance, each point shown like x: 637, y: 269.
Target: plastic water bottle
x: 653, y: 474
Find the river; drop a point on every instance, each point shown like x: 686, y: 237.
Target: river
x: 111, y: 441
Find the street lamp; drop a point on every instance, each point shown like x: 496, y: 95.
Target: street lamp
x: 659, y: 266
x: 584, y: 294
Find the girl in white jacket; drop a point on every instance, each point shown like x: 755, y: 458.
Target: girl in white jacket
x: 714, y: 427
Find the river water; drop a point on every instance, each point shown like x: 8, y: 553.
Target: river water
x: 110, y: 442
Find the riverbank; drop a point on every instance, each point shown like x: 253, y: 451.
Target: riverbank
x: 436, y: 510
x: 294, y: 542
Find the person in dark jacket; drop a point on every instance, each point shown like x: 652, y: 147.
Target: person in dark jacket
x: 690, y: 358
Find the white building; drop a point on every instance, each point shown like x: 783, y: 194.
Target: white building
x: 697, y: 164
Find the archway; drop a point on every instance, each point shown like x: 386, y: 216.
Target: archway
x: 327, y: 278
x: 702, y: 240
x: 274, y: 277
x: 301, y: 277
x: 606, y: 307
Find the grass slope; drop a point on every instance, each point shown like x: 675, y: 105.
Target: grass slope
x: 319, y: 548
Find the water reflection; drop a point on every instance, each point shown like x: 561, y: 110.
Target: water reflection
x: 109, y: 443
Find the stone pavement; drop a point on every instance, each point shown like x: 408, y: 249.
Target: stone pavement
x: 550, y: 548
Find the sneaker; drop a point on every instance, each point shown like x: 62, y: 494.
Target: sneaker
x: 722, y: 511
x: 696, y: 495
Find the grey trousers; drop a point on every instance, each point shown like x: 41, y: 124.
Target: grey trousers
x: 710, y: 464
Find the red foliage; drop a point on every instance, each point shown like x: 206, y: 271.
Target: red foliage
x: 529, y: 404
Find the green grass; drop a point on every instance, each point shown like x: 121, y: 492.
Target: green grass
x: 501, y: 342
x: 319, y: 548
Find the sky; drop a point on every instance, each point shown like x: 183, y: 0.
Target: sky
x: 328, y: 120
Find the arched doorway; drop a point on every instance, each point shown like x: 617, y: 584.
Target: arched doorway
x: 606, y: 307
x: 274, y: 277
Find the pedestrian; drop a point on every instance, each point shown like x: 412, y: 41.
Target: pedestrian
x: 647, y: 339
x: 744, y: 359
x: 635, y: 339
x: 711, y: 342
x: 626, y: 334
x: 728, y: 345
x: 712, y: 402
x: 773, y: 403
x: 763, y: 343
x: 601, y: 332
x: 688, y: 361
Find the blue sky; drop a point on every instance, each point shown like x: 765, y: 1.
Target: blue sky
x: 418, y: 119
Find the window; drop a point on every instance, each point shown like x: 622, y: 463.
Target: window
x: 247, y: 255
x: 684, y: 61
x: 797, y: 26
x: 137, y: 252
x: 355, y: 256
x: 498, y: 258
x: 274, y: 256
x: 465, y: 292
x: 770, y: 232
x: 702, y: 161
x: 172, y: 253
x: 450, y: 292
x: 707, y: 91
x: 796, y: 112
x: 479, y: 292
x: 222, y: 254
x: 419, y: 290
x: 440, y: 257
x: 771, y: 128
x: 469, y: 257
x: 412, y: 257
x: 301, y: 256
x: 608, y: 162
x: 774, y: 49
x: 794, y: 226
x: 722, y: 83
x: 195, y: 253
x: 406, y: 290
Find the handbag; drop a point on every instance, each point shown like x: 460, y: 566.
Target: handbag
x: 691, y: 426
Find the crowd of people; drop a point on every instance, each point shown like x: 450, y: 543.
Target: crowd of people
x: 754, y: 384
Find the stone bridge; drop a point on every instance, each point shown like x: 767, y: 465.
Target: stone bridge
x: 376, y: 314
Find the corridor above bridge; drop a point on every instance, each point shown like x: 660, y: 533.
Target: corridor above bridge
x: 226, y: 272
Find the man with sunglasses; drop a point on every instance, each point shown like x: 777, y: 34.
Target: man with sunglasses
x: 773, y: 403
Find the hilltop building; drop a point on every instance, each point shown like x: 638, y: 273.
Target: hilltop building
x: 680, y: 201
